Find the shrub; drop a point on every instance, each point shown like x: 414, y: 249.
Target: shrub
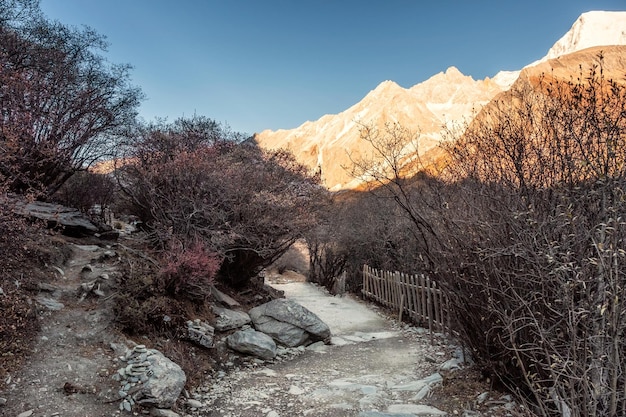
x: 197, y: 184
x: 143, y: 306
x: 525, y: 230
x: 189, y: 272
x: 84, y: 190
x: 538, y: 275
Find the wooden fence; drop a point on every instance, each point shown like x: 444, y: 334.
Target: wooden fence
x: 416, y: 296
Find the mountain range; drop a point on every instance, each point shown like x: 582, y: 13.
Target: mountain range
x: 447, y: 99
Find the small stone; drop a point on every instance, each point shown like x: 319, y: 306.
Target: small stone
x: 26, y: 413
x: 194, y: 403
x: 50, y: 303
x: 163, y: 412
x: 3, y: 401
x: 295, y: 390
x: 482, y: 397
x: 126, y: 405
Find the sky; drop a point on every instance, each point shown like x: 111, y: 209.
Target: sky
x: 275, y: 64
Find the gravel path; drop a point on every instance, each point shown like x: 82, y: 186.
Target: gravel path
x: 374, y: 367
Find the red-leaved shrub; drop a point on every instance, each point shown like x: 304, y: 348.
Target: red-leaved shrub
x: 189, y: 271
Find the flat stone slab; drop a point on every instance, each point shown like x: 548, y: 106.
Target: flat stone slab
x: 56, y: 214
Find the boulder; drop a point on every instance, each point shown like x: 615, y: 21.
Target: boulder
x: 252, y: 342
x: 71, y: 220
x: 200, y: 332
x: 164, y: 384
x: 289, y: 323
x: 229, y: 319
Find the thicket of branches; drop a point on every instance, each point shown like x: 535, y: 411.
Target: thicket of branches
x: 62, y: 104
x: 192, y: 182
x: 526, y: 230
x: 540, y: 280
x: 360, y: 229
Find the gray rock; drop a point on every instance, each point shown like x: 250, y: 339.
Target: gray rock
x: 200, y: 332
x: 289, y: 323
x: 165, y: 383
x: 223, y: 298
x: 194, y: 403
x: 163, y: 412
x: 71, y: 219
x: 26, y: 413
x: 416, y: 409
x: 451, y: 365
x: 252, y: 342
x: 229, y: 319
x: 50, y: 303
x: 410, y: 386
x: 482, y: 397
x: 3, y: 401
x: 379, y: 414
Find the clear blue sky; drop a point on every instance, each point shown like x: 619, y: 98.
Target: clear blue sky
x: 259, y: 64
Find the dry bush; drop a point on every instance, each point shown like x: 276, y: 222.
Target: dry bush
x: 525, y: 229
x: 537, y: 278
x: 294, y: 259
x: 84, y: 190
x: 189, y: 272
x: 357, y: 229
x: 144, y: 305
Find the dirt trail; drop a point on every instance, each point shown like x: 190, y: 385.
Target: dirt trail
x: 69, y: 371
x: 375, y: 366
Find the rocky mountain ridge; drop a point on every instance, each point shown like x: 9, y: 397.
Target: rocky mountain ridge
x: 448, y: 98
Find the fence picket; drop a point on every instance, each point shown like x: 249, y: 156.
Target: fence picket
x: 412, y: 295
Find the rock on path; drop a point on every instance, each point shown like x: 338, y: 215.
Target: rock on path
x: 348, y: 317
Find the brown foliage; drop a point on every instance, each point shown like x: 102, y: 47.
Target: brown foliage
x: 191, y: 182
x: 525, y: 230
x: 538, y: 276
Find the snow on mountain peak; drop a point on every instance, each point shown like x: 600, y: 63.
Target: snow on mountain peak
x: 595, y: 28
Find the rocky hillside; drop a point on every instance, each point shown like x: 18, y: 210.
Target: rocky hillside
x: 446, y: 98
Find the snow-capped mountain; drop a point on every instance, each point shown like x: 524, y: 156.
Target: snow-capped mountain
x: 333, y: 141
x: 595, y: 28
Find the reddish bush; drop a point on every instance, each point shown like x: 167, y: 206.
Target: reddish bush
x: 189, y: 272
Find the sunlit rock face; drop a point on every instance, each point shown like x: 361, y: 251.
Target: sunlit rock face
x: 446, y: 99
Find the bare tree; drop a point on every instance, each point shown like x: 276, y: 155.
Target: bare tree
x: 391, y: 170
x: 62, y: 105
